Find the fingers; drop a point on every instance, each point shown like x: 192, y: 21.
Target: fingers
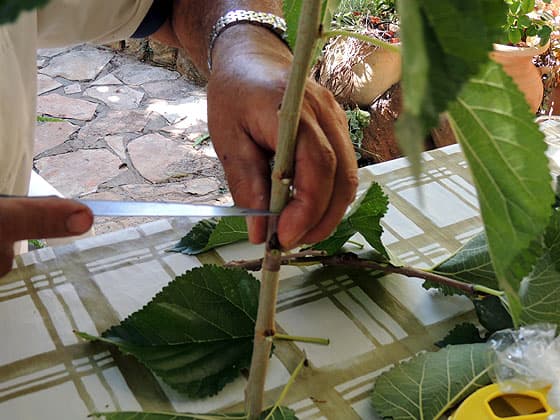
x: 244, y: 130
x: 248, y: 176
x: 6, y: 258
x: 315, y: 167
x: 250, y: 188
x: 36, y: 218
x: 345, y: 178
x: 326, y: 174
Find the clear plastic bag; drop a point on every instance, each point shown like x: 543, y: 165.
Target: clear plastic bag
x: 528, y: 358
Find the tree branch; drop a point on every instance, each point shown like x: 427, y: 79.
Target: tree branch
x: 352, y: 260
x: 300, y: 258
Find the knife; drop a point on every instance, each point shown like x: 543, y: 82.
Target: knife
x: 166, y: 209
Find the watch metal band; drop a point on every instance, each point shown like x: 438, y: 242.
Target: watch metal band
x: 267, y: 20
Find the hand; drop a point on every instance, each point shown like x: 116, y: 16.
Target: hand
x: 250, y: 71
x: 38, y: 218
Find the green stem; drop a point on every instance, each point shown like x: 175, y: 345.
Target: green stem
x: 365, y: 38
x: 281, y: 180
x: 286, y: 389
x: 314, y: 340
x: 356, y: 244
x: 487, y: 290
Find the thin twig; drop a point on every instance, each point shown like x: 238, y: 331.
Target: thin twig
x: 287, y: 259
x: 352, y: 260
x: 362, y: 37
x: 300, y: 339
x: 286, y: 389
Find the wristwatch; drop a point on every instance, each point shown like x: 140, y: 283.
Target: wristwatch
x: 270, y: 21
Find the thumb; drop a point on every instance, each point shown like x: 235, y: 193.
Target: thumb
x: 45, y: 217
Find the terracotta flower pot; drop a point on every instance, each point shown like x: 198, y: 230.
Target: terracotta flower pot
x: 518, y: 64
x: 357, y: 73
x: 376, y: 73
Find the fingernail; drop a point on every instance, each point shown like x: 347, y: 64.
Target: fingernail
x: 78, y: 222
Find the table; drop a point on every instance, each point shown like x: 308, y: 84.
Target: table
x: 46, y: 372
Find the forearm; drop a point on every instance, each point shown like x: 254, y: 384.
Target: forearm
x: 192, y: 23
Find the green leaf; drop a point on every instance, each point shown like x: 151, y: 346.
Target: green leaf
x: 505, y: 151
x: 470, y: 264
x: 292, y: 11
x: 441, y: 51
x: 333, y: 243
x: 527, y: 6
x: 198, y: 141
x: 532, y: 30
x: 364, y: 217
x: 492, y: 314
x: 11, y: 9
x: 515, y: 35
x: 465, y: 333
x: 431, y: 383
x: 544, y: 34
x: 212, y: 233
x: 197, y: 333
x: 540, y: 291
x: 42, y: 118
x: 515, y: 7
x: 281, y: 413
x: 329, y: 9
x: 196, y: 240
x: 524, y: 21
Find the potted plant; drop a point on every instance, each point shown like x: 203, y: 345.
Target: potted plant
x: 356, y: 71
x: 527, y: 32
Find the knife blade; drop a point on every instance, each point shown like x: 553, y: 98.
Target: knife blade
x: 166, y: 209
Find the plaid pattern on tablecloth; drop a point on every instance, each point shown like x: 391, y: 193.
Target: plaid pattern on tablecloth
x: 46, y: 372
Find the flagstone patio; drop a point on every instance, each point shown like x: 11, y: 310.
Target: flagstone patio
x: 117, y: 128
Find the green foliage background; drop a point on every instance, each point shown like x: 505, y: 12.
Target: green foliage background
x: 11, y: 9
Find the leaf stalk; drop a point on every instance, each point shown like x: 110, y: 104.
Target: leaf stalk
x: 286, y: 389
x: 365, y: 38
x: 312, y: 340
x: 488, y: 291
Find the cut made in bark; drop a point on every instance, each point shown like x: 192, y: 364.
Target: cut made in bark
x: 517, y: 62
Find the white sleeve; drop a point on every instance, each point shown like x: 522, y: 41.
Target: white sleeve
x: 65, y: 22
x: 18, y: 89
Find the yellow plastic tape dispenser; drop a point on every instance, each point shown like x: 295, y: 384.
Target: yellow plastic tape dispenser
x: 490, y: 403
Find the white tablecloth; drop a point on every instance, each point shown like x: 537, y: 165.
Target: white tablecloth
x: 47, y: 373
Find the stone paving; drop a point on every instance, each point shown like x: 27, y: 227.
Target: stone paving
x: 117, y: 128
